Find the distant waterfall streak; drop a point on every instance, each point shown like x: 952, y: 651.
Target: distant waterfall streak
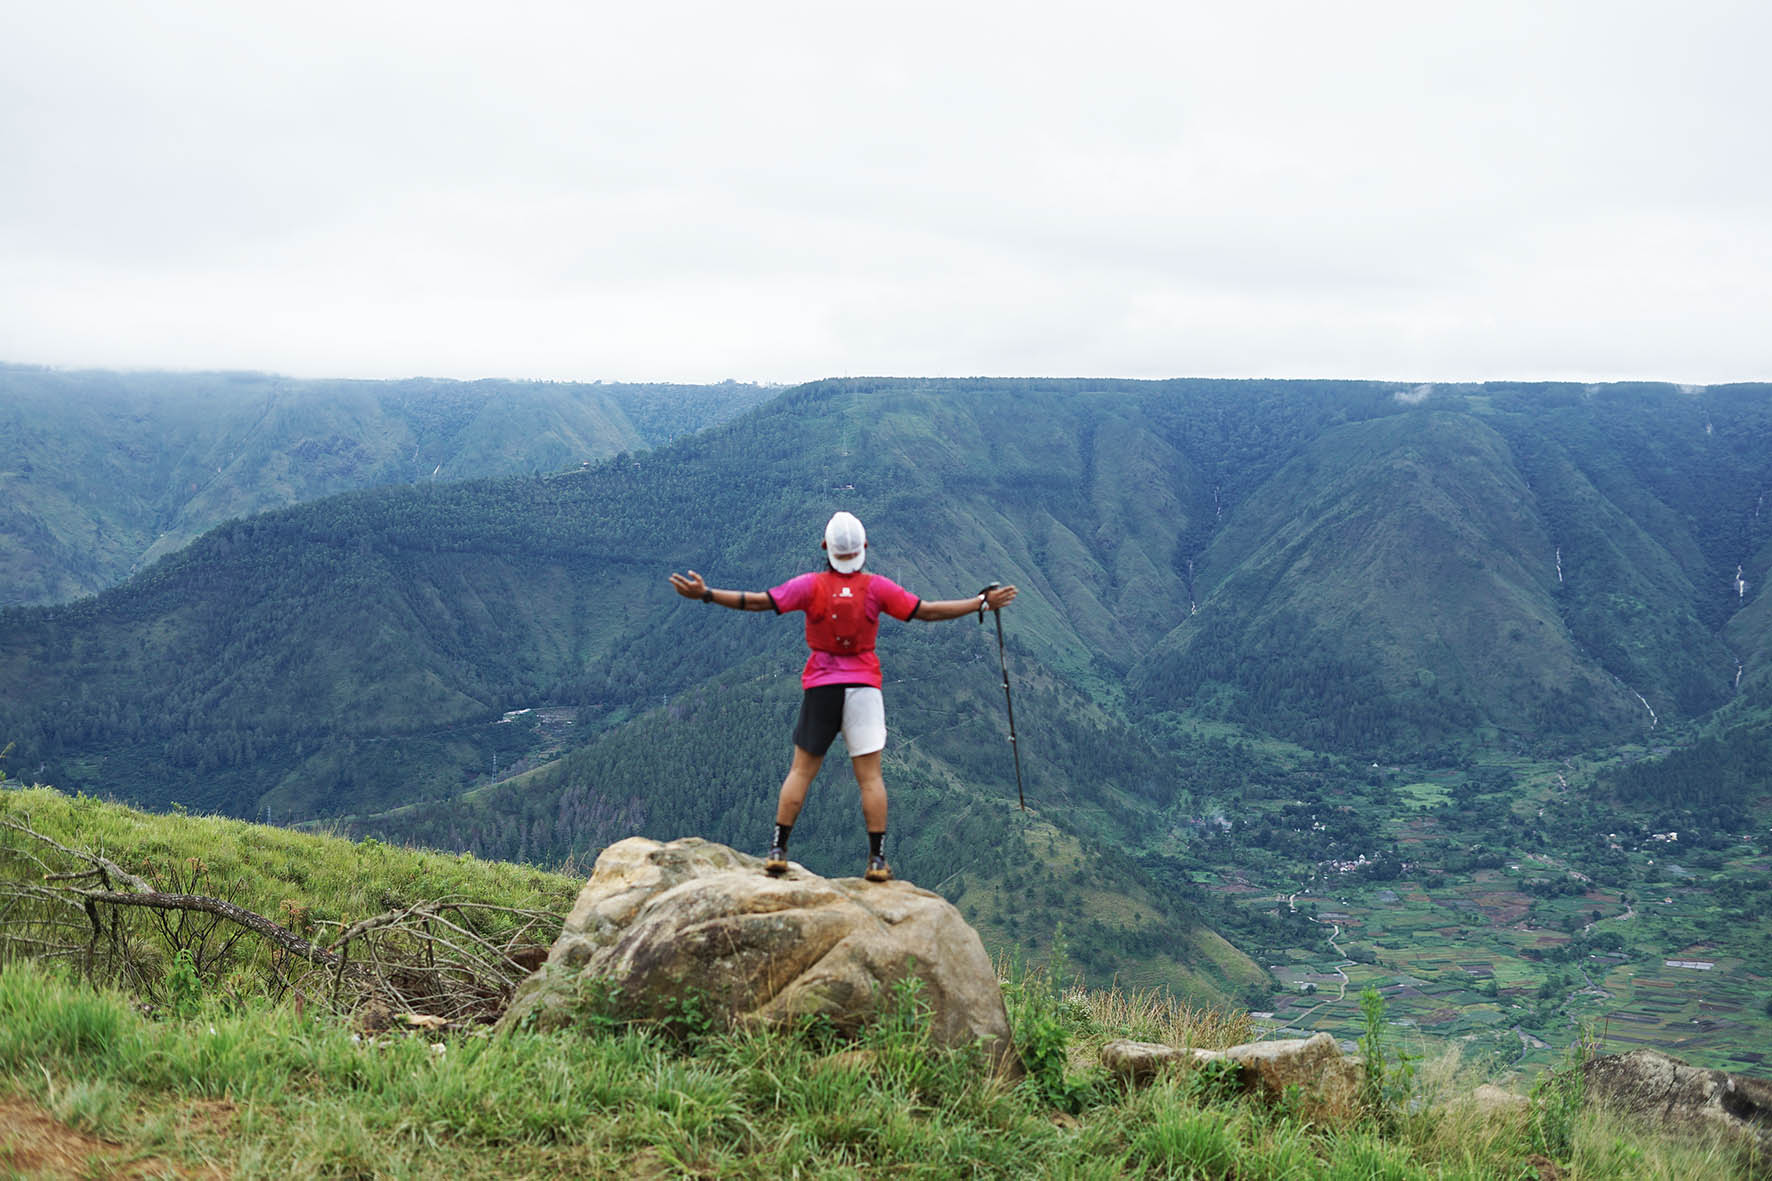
x: 1559, y: 565
x: 1653, y: 720
x: 1740, y: 584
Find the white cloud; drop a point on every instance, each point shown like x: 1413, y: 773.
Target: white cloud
x: 787, y: 191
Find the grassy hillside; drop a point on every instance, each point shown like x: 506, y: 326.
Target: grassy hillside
x: 215, y: 1075
x: 357, y: 654
x: 329, y: 880
x: 103, y: 473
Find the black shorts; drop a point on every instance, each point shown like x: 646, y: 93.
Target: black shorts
x: 855, y: 711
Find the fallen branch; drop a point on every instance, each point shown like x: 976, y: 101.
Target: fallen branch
x: 450, y: 955
x: 282, y: 936
x: 102, y: 865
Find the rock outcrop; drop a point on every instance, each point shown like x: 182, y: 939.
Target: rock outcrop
x: 1665, y: 1091
x: 1491, y: 1100
x: 1139, y: 1063
x: 661, y: 926
x: 1326, y: 1082
x: 1643, y: 1084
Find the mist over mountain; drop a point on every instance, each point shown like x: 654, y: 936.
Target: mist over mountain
x: 103, y: 472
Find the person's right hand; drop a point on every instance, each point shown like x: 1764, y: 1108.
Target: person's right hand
x: 690, y: 586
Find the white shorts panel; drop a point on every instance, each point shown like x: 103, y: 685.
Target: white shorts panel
x: 864, y: 720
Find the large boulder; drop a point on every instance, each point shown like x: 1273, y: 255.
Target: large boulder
x: 693, y: 924
x: 1668, y: 1092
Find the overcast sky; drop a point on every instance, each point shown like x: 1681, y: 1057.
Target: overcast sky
x: 782, y: 192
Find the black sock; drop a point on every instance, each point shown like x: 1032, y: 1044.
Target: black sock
x: 781, y: 836
x: 876, y: 842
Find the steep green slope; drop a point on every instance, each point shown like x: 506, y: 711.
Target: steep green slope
x: 1656, y: 501
x: 1391, y: 586
x: 102, y: 473
x: 1522, y: 564
x: 1749, y: 636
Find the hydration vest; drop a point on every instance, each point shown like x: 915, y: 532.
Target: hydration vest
x: 837, y: 618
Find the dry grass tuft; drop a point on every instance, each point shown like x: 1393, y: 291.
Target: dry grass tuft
x: 1152, y: 1015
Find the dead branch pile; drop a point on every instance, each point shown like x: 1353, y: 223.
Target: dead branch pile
x: 451, y: 959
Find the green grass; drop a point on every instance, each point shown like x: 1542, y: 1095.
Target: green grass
x: 313, y: 885
x: 1422, y: 796
x: 326, y: 878
x: 291, y: 1095
x: 254, y: 1084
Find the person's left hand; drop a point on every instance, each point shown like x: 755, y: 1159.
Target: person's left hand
x: 690, y: 586
x: 999, y: 598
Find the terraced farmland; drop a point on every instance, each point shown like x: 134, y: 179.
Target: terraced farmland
x: 1515, y: 976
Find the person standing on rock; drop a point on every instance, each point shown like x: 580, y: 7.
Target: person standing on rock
x: 842, y: 675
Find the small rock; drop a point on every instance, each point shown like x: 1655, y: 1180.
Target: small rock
x: 1327, y: 1082
x: 373, y: 1018
x: 1140, y: 1062
x: 425, y: 1021
x: 1493, y: 1100
x: 1544, y: 1167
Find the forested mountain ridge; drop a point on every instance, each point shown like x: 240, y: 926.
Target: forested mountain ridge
x: 401, y: 609
x: 1370, y: 570
x: 102, y: 473
x: 1522, y: 563
x: 1528, y: 563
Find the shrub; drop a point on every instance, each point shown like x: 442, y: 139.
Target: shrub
x: 1556, y: 1102
x: 1044, y: 1022
x: 1389, y: 1079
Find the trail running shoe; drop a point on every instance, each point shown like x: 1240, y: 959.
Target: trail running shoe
x: 878, y: 870
x: 776, y: 863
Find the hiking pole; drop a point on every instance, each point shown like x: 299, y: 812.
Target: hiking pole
x: 1008, y: 704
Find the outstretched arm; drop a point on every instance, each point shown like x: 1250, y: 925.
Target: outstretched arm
x: 996, y: 599
x: 691, y: 586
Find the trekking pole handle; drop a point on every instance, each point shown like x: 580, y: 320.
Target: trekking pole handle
x: 984, y: 598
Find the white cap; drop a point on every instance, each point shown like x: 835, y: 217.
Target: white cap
x: 844, y: 535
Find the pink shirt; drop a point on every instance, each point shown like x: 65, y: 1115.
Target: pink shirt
x: 857, y: 668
